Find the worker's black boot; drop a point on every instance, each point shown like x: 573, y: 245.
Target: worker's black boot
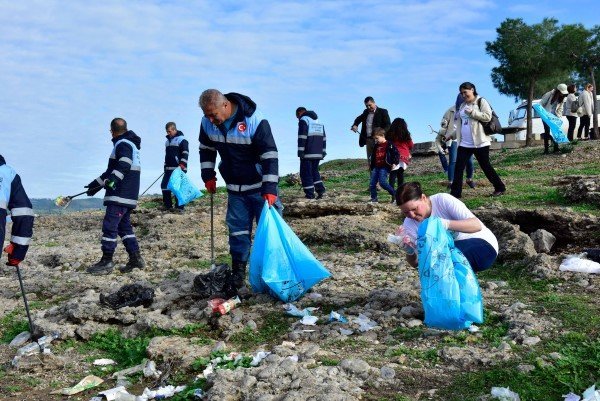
x: 104, y: 266
x: 135, y: 262
x: 238, y: 274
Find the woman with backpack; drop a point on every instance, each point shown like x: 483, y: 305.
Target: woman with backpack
x: 472, y: 113
x: 570, y: 104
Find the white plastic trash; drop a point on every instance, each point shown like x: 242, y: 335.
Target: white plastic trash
x: 577, y: 263
x: 504, y: 394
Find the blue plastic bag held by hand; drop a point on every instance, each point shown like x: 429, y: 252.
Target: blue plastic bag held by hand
x: 449, y: 289
x: 279, y: 262
x: 183, y: 188
x: 553, y: 122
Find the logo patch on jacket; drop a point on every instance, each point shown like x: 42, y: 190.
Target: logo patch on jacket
x: 241, y: 127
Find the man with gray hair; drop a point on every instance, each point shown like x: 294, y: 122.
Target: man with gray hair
x: 234, y: 128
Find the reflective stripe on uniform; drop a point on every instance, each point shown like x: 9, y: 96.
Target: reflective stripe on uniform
x: 185, y: 152
x: 207, y: 165
x: 128, y: 236
x: 126, y: 160
x: 302, y: 136
x: 100, y: 181
x: 170, y: 168
x: 207, y: 147
x: 183, y: 160
x: 118, y: 174
x: 242, y: 188
x: 120, y: 200
x: 20, y: 240
x: 109, y: 239
x: 312, y: 186
x: 236, y: 233
x: 309, y: 155
x: 269, y: 155
x: 136, y: 168
x: 270, y: 178
x: 21, y: 211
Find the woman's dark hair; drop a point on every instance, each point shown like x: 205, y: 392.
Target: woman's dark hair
x: 409, y: 191
x: 571, y: 88
x: 398, y: 131
x: 468, y: 85
x: 557, y: 97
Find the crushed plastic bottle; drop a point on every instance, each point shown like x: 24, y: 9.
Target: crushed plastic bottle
x: 21, y: 339
x: 46, y: 340
x: 198, y: 394
x: 29, y: 349
x: 228, y: 305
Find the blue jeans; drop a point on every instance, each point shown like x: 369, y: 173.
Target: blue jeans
x: 452, y: 155
x: 242, y: 210
x: 380, y: 174
x: 310, y: 177
x: 117, y: 221
x: 480, y: 254
x: 443, y: 161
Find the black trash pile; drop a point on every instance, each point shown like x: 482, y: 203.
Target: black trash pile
x: 593, y: 254
x: 129, y: 295
x: 215, y: 284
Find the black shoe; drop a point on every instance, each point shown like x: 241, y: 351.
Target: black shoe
x: 135, y: 262
x: 471, y: 183
x: 238, y: 274
x: 320, y: 195
x: 546, y: 152
x: 104, y: 266
x: 497, y: 193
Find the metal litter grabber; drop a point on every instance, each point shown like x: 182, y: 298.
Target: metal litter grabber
x: 65, y: 201
x: 33, y: 334
x: 212, y: 232
x: 142, y: 194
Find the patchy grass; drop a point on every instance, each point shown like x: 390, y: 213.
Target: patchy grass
x: 274, y: 325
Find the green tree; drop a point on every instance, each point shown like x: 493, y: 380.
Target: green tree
x: 587, y: 62
x: 530, y: 55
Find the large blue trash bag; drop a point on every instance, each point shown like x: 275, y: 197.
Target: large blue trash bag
x: 280, y: 263
x: 183, y: 188
x: 553, y: 122
x: 449, y: 289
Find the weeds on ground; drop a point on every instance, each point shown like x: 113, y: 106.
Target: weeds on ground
x: 273, y: 327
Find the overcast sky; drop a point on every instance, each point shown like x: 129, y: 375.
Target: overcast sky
x: 69, y: 67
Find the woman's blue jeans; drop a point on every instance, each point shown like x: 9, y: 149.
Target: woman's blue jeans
x: 452, y: 150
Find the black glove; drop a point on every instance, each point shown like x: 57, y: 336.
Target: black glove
x: 94, y: 188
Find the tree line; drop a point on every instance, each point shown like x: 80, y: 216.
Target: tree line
x: 535, y: 58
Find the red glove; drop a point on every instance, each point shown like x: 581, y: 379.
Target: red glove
x: 211, y: 185
x: 182, y: 167
x: 9, y: 249
x: 270, y: 198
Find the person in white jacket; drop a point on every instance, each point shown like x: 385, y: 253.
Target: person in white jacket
x: 587, y: 110
x: 553, y: 102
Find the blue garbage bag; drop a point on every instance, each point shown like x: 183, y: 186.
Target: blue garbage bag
x: 553, y: 122
x: 280, y: 264
x: 449, y: 289
x: 183, y: 188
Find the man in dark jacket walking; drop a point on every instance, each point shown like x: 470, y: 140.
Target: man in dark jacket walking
x: 14, y: 199
x: 176, y: 155
x: 372, y: 117
x: 122, y: 183
x: 234, y: 128
x: 311, y: 150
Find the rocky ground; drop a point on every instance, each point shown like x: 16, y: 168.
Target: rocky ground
x: 397, y: 358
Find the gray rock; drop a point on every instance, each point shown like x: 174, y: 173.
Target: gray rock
x: 526, y: 368
x: 387, y: 373
x: 530, y: 341
x: 543, y: 241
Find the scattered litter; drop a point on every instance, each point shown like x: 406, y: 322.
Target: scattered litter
x: 346, y: 332
x: 86, y: 383
x: 215, y: 283
x: 288, y: 344
x: 113, y: 393
x: 365, y: 324
x: 309, y: 320
x: 260, y: 355
x: 131, y: 370
x: 29, y: 349
x: 209, y: 370
x: 314, y: 295
x: 103, y: 362
x: 162, y: 392
x: 129, y: 295
x: 571, y: 397
x: 293, y: 358
x: 591, y: 394
x: 228, y: 305
x: 504, y: 394
x: 292, y: 310
x: 578, y: 263
x: 308, y: 331
x: 336, y: 317
x: 150, y: 370
x: 215, y: 303
x: 394, y: 239
x: 473, y: 329
x: 20, y: 339
x: 198, y: 393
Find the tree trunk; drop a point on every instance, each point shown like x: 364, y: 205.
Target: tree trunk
x: 594, y: 105
x: 529, y: 134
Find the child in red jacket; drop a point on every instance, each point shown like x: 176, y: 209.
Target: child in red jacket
x: 399, y: 135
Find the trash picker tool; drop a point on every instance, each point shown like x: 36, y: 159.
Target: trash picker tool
x: 65, y: 201
x: 26, y: 304
x: 163, y: 173
x: 212, y: 232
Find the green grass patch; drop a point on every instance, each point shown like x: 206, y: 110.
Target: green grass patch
x: 408, y: 333
x: 204, y: 264
x: 12, y: 324
x: 274, y: 325
x: 329, y: 362
x: 429, y: 355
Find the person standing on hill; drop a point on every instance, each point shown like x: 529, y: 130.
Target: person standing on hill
x: 571, y: 115
x: 399, y: 135
x: 587, y: 107
x: 311, y: 150
x: 371, y: 118
x: 122, y: 183
x: 385, y: 157
x: 176, y: 155
x: 14, y: 199
x: 553, y: 103
x: 234, y: 128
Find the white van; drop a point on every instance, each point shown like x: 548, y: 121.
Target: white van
x: 517, y: 123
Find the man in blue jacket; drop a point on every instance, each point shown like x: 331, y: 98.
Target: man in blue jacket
x: 14, y: 199
x: 311, y: 150
x: 237, y: 131
x: 176, y: 155
x: 122, y: 183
